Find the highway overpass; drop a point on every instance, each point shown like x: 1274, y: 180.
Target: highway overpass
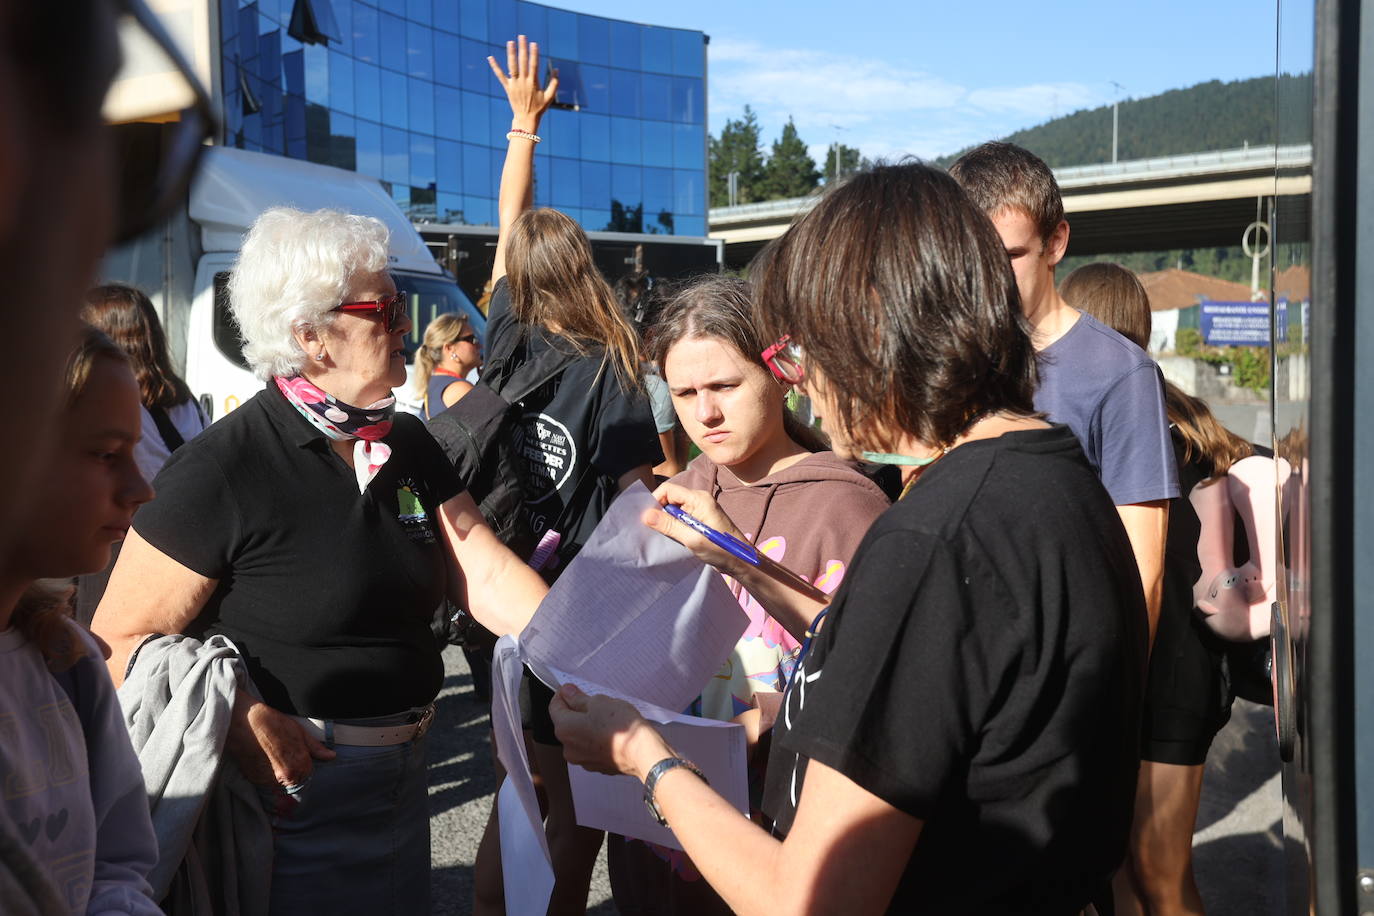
x: 1199, y: 200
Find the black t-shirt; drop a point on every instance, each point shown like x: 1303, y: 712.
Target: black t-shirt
x: 580, y: 432
x: 981, y: 669
x: 327, y: 592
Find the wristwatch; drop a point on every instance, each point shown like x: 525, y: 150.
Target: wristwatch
x: 655, y: 773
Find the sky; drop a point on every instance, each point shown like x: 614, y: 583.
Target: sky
x: 894, y: 78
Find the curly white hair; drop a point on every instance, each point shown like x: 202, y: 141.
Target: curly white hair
x: 293, y: 268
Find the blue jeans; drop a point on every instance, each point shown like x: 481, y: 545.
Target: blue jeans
x: 356, y: 839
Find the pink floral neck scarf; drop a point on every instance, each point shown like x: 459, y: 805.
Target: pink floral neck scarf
x: 341, y: 422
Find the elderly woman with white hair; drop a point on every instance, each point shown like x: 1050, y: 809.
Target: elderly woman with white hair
x: 319, y: 530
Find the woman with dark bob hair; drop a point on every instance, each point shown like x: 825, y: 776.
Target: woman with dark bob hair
x: 960, y: 734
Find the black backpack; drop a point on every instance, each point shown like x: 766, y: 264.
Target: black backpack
x: 478, y: 435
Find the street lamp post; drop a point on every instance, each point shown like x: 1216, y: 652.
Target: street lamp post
x: 1115, y: 122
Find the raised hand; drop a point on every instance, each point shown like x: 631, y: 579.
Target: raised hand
x: 520, y: 79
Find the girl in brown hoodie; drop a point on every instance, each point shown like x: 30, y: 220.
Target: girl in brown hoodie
x: 796, y: 502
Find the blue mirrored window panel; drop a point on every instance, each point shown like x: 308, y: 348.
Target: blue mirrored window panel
x: 594, y: 40
x: 532, y: 21
x: 477, y: 75
x: 366, y: 33
x: 472, y: 19
x: 393, y: 42
x: 422, y: 161
x: 658, y: 50
x: 658, y: 191
x: 419, y: 63
x: 421, y: 110
x: 420, y: 11
x: 657, y: 97
x: 343, y: 142
x: 689, y: 191
x: 626, y: 147
x: 566, y: 183
x: 627, y: 49
x: 395, y: 155
x: 657, y: 145
x: 596, y: 186
x: 395, y: 93
x: 502, y: 23
x: 689, y: 53
x: 689, y: 147
x: 476, y: 117
x: 448, y: 59
x: 563, y: 133
x: 367, y: 148
x: 477, y: 169
x: 449, y: 208
x: 367, y: 88
x: 688, y: 107
x: 625, y: 93
x: 316, y: 74
x: 596, y: 88
x: 448, y: 113
x: 448, y: 164
x: 446, y: 16
x: 596, y: 137
x: 562, y: 37
x: 340, y: 83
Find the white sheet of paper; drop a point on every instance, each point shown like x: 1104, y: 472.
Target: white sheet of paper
x: 636, y: 612
x: 526, y: 866
x: 616, y: 803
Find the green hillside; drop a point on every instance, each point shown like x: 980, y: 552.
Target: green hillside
x: 1208, y: 116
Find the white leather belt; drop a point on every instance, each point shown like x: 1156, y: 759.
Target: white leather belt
x: 331, y: 732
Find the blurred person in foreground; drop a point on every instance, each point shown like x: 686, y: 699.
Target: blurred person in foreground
x: 57, y: 203
x: 73, y: 787
x: 971, y: 695
x: 1191, y: 684
x: 319, y: 530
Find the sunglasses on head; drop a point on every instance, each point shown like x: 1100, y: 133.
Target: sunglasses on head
x: 390, y: 309
x: 784, y: 360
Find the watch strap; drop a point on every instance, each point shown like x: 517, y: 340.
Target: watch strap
x: 655, y: 773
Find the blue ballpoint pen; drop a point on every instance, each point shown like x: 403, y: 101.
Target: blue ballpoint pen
x: 748, y: 553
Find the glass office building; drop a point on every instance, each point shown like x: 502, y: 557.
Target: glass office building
x: 401, y: 89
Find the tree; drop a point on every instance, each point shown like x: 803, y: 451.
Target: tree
x: 790, y: 171
x: 736, y: 150
x: 850, y: 162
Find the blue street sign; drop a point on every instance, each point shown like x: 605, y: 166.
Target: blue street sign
x: 1241, y: 324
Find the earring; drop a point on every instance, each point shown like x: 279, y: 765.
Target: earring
x: 320, y: 355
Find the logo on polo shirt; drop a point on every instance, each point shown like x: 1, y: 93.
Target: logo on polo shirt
x: 411, y: 513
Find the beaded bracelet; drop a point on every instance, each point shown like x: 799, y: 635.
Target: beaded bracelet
x: 516, y: 133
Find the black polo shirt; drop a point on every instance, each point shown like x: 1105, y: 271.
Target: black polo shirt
x: 327, y: 592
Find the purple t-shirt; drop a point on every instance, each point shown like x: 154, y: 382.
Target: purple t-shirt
x: 1111, y: 394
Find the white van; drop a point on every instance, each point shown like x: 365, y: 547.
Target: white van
x: 184, y: 266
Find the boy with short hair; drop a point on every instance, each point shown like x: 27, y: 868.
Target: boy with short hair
x: 1098, y: 383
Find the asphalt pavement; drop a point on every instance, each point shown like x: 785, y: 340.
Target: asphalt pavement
x: 1236, y: 850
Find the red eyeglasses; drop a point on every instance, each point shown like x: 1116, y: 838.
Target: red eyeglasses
x: 784, y: 360
x: 391, y: 309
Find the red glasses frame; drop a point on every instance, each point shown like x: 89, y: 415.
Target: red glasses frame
x: 784, y: 360
x: 390, y: 309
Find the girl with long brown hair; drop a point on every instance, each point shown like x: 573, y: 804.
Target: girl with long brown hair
x: 586, y: 435
x: 171, y: 415
x: 1188, y: 694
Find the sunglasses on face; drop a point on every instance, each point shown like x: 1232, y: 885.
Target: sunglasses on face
x: 467, y: 338
x: 158, y: 136
x: 784, y: 360
x: 390, y: 309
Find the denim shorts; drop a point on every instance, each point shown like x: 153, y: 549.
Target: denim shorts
x: 355, y: 840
